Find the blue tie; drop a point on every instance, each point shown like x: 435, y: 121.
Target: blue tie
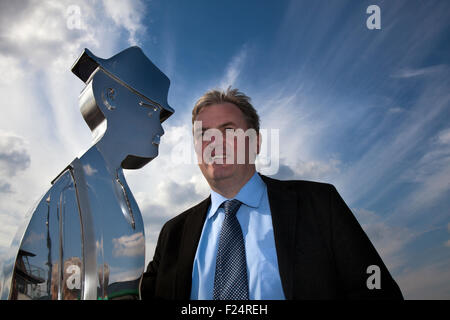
x: 230, y: 281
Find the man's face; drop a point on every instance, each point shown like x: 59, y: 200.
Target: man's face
x: 222, y: 158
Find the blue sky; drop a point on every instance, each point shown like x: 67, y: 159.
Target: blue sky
x: 366, y: 110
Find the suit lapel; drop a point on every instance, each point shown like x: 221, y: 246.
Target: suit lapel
x: 284, y: 208
x: 188, y: 246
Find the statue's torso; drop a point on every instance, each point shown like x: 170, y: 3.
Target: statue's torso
x: 85, y: 239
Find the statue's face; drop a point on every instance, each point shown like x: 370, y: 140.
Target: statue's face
x: 133, y: 122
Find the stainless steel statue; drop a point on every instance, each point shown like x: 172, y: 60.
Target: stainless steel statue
x: 85, y: 238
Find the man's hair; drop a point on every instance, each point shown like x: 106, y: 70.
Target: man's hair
x: 233, y: 96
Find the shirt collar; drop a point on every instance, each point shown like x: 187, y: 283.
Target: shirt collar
x: 250, y: 195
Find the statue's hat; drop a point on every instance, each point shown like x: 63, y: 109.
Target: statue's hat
x: 132, y: 68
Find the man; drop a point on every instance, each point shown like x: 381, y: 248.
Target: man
x: 259, y: 238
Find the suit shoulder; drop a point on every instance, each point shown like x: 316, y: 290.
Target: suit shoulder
x: 303, y: 186
x: 198, y: 209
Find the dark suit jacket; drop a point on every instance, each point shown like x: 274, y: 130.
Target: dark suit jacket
x: 322, y: 251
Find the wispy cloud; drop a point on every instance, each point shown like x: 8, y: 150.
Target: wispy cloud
x: 447, y: 243
x: 234, y: 68
x: 385, y: 156
x: 432, y: 174
x: 388, y: 239
x: 427, y: 282
x: 410, y: 73
x: 396, y: 110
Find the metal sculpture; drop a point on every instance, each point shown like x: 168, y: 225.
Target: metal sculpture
x: 85, y: 238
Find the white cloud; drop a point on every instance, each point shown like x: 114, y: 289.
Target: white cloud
x: 317, y: 170
x: 127, y: 14
x: 10, y: 69
x: 14, y: 156
x: 129, y: 246
x: 89, y: 170
x: 36, y: 33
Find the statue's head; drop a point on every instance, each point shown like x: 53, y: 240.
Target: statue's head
x: 124, y: 104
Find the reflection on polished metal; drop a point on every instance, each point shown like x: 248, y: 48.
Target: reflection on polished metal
x: 85, y: 238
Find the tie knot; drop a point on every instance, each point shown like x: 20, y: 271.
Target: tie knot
x: 231, y: 206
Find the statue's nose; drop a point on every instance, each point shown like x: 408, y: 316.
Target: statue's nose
x: 156, y: 139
